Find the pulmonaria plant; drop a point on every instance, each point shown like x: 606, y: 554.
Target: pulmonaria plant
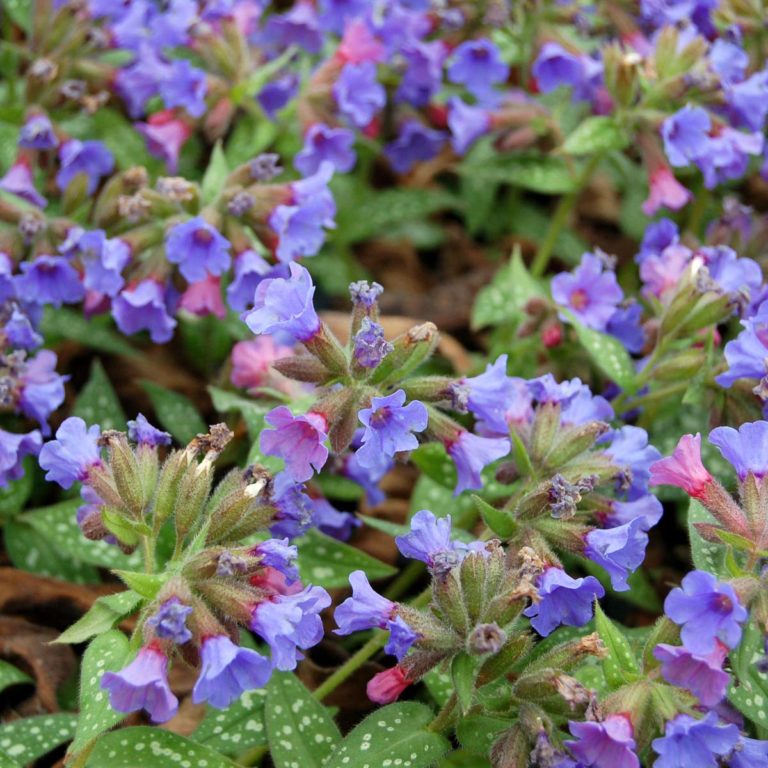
x: 193, y: 601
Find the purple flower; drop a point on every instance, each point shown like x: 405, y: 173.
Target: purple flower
x: 555, y: 66
x: 423, y: 74
x: 142, y: 432
x: 227, y: 671
x: 728, y: 60
x: 198, y: 248
x: 103, y: 260
x: 18, y: 181
x: 294, y: 507
x: 707, y: 610
x: 285, y: 305
x: 289, y: 622
x: 366, y: 608
x: 145, y: 307
x: 625, y: 325
x: 619, y: 550
x: 37, y: 133
x: 49, y: 280
x: 466, y: 123
x: 370, y: 346
x: 749, y: 753
x: 563, y: 600
x: 739, y: 277
x: 335, y: 14
x: 748, y: 100
x: 325, y: 144
x: 170, y: 621
x: 278, y: 554
x: 658, y: 236
x: 609, y: 744
x: 299, y: 26
x: 389, y: 427
x: 703, y: 676
x: 430, y: 541
x: 300, y: 226
x: 170, y: 27
x: 331, y: 521
x: 367, y: 478
x: 139, y: 82
x: 143, y: 684
x: 629, y: 449
x: 250, y: 270
x: 746, y: 450
x: 471, y: 454
x: 298, y: 440
x: 365, y: 294
x: 69, y: 457
x: 688, y: 742
x: 277, y: 93
x: 358, y: 93
x: 13, y: 449
x: 184, y: 86
x: 401, y: 638
x: 91, y: 158
x: 747, y: 353
x: 545, y: 389
x: 477, y: 65
x: 591, y: 293
x: 646, y: 508
x: 685, y: 135
x: 415, y: 143
x: 41, y: 389
x: 585, y: 407
x: 726, y: 156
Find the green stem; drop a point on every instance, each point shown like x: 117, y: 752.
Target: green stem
x: 444, y: 718
x: 698, y: 209
x: 148, y: 549
x: 560, y: 218
x: 351, y: 665
x: 411, y: 573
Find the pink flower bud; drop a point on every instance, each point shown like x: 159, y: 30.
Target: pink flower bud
x: 387, y: 686
x: 683, y: 468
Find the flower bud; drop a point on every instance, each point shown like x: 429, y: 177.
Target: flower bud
x: 546, y: 424
x: 168, y: 484
x: 302, y: 368
x: 450, y: 601
x: 327, y: 349
x: 486, y: 638
x: 411, y: 349
x: 191, y: 495
x: 511, y: 749
x: 573, y: 440
x: 125, y: 470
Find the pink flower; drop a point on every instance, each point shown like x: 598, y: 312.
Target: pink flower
x: 298, y: 440
x: 204, y: 298
x: 165, y: 135
x: 683, y: 468
x: 387, y: 686
x: 252, y: 361
x: 665, y: 192
x: 359, y: 45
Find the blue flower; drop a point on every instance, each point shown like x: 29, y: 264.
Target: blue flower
x: 415, y: 143
x: 477, y: 65
x: 49, y: 280
x: 358, y: 93
x: 145, y: 306
x: 389, y: 427
x: 91, y: 158
x: 198, y: 248
x: 184, y: 86
x: 562, y: 600
x: 69, y: 457
x: 685, y: 135
x: 746, y: 450
x: 688, y: 742
x: 619, y: 550
x: 143, y: 433
x: 325, y: 144
x: 170, y: 621
x: 471, y: 454
x: 366, y: 608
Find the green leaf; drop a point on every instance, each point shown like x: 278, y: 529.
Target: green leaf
x: 706, y: 556
x: 620, y: 666
x: 101, y: 617
x: 251, y: 411
x: 539, y: 173
x: 238, y: 728
x: 32, y: 551
x: 504, y: 299
x: 96, y: 333
x: 248, y: 138
x: 145, y: 584
x: 500, y: 522
x: 20, y: 13
x: 428, y: 494
x: 739, y: 543
x: 261, y: 76
x: 433, y: 460
x: 439, y: 684
x: 749, y: 690
x: 10, y: 676
x: 463, y: 672
x: 109, y: 652
x: 215, y: 174
x: 607, y: 352
x: 28, y: 739
x: 153, y: 748
x: 98, y: 403
x: 477, y: 733
x: 326, y: 562
x: 175, y: 412
x: 397, y: 732
x: 58, y: 524
x: 299, y: 728
x: 14, y: 496
x: 596, y: 134
x: 368, y: 213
